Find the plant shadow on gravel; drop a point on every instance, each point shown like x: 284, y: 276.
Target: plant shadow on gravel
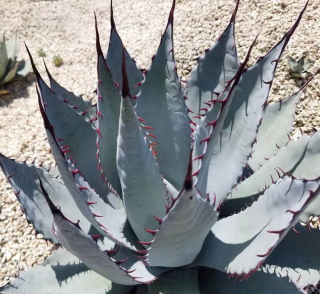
x: 18, y: 89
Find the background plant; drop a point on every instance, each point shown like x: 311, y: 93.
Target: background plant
x: 57, y: 60
x: 42, y: 53
x: 299, y: 67
x: 10, y: 69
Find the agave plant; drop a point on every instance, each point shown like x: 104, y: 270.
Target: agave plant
x: 10, y: 69
x: 299, y: 68
x: 143, y: 203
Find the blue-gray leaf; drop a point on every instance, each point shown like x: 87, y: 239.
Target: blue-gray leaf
x: 142, y: 188
x: 273, y: 132
x: 297, y: 158
x: 109, y: 99
x: 161, y: 104
x: 114, y: 59
x: 75, y: 135
x: 254, y: 233
x: 62, y: 273
x: 228, y: 150
x: 177, y: 281
x: 182, y: 231
x: 24, y: 181
x: 219, y: 65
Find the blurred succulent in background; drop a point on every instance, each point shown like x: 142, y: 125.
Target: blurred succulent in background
x: 42, y: 53
x: 143, y: 203
x: 10, y: 69
x: 57, y: 60
x: 298, y: 68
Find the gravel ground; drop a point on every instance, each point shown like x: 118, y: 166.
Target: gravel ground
x: 66, y: 27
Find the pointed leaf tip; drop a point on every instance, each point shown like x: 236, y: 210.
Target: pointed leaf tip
x: 170, y: 20
x: 125, y: 83
x: 47, y: 70
x: 36, y: 72
x: 234, y: 14
x: 188, y: 181
x: 98, y: 45
x: 113, y: 25
x: 293, y: 28
x: 250, y: 49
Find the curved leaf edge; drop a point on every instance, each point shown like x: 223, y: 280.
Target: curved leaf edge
x: 302, y: 89
x: 281, y: 173
x: 233, y: 83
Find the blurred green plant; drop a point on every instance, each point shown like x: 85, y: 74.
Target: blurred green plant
x: 299, y: 67
x: 10, y: 69
x: 41, y: 53
x: 57, y: 60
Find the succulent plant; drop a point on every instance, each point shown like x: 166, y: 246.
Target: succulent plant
x: 42, y: 53
x: 299, y: 68
x: 142, y: 203
x: 10, y: 69
x: 57, y: 60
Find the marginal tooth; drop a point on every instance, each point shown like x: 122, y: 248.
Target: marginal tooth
x: 141, y: 257
x: 158, y: 219
x: 146, y: 243
x: 129, y: 271
x: 118, y: 262
x: 112, y: 251
x: 96, y: 237
x: 142, y: 251
x: 153, y: 232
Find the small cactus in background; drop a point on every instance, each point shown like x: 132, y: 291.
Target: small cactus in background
x: 10, y: 69
x: 57, y: 60
x: 171, y: 187
x: 42, y: 53
x: 299, y: 67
